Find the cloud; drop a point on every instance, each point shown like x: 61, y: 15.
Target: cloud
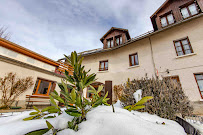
x: 56, y: 27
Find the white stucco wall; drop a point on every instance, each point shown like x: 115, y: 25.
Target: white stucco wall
x: 23, y: 58
x: 185, y: 67
x: 164, y: 58
x: 23, y: 72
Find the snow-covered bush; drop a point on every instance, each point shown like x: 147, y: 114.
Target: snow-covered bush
x: 169, y: 98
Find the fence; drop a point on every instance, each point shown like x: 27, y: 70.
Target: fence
x: 185, y: 123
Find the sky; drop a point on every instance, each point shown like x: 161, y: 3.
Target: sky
x: 56, y: 27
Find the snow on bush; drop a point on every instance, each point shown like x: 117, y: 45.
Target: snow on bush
x: 14, y: 125
x: 137, y: 95
x: 100, y: 121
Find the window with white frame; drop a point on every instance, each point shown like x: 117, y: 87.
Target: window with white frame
x: 133, y: 58
x: 189, y: 10
x: 110, y: 43
x: 199, y: 79
x: 167, y: 19
x: 119, y: 40
x: 183, y: 46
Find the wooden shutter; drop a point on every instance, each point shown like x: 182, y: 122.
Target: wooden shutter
x: 53, y: 87
x: 108, y: 87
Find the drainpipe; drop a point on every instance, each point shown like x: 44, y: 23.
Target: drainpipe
x: 152, y: 54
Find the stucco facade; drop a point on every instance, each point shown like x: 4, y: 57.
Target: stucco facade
x: 156, y: 55
x: 22, y: 72
x: 24, y: 63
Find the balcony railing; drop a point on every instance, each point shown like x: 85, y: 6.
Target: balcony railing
x: 62, y: 67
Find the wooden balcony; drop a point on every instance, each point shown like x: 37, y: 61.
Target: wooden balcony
x: 62, y: 67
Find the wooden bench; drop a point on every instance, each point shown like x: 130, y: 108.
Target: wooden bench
x: 40, y: 100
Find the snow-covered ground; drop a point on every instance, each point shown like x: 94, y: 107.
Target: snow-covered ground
x: 100, y: 121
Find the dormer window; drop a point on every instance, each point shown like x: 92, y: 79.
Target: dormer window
x: 119, y: 40
x: 189, y: 11
x: 110, y: 43
x: 167, y: 19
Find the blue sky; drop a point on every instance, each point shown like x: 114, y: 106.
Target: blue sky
x: 56, y: 27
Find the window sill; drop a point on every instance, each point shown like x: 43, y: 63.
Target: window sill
x: 103, y: 71
x: 191, y: 54
x: 134, y: 66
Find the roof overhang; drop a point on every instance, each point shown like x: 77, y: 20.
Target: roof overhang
x: 17, y: 48
x: 160, y: 8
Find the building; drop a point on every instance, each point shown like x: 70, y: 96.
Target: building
x: 46, y: 73
x: 173, y: 49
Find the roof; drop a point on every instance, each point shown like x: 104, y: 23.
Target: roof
x: 140, y: 37
x: 160, y: 8
x: 114, y: 28
x: 17, y: 48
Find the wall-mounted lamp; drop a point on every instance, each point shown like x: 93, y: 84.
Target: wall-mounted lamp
x: 167, y: 71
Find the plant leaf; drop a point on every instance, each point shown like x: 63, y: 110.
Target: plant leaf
x: 138, y: 107
x: 73, y: 95
x: 144, y: 100
x: 48, y: 108
x: 100, y: 88
x: 52, y: 101
x: 48, y: 117
x: 29, y: 118
x: 49, y: 125
x: 53, y: 110
x: 75, y: 113
x: 36, y: 108
x: 38, y: 132
x: 34, y: 113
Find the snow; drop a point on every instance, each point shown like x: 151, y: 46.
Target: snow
x: 100, y: 121
x: 118, y: 104
x: 20, y: 127
x: 138, y: 95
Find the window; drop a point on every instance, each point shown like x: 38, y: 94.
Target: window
x: 183, y: 47
x: 103, y: 65
x: 119, y: 40
x: 189, y: 11
x: 110, y: 43
x: 167, y: 19
x: 174, y: 79
x: 43, y: 87
x: 133, y: 59
x: 199, y: 79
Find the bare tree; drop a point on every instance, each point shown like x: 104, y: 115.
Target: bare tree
x: 4, y: 34
x: 12, y: 87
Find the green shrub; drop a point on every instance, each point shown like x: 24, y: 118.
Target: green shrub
x: 72, y: 90
x: 169, y: 98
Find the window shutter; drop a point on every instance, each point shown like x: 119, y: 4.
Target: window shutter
x: 108, y: 87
